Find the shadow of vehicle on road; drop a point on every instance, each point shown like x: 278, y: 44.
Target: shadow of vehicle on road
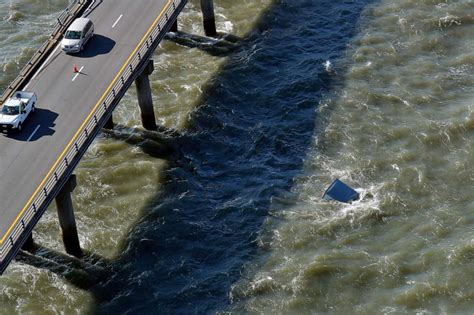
x: 97, y: 45
x: 40, y: 123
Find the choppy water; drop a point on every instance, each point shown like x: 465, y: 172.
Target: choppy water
x: 222, y: 211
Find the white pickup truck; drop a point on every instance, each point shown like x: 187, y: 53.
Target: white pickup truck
x: 16, y: 109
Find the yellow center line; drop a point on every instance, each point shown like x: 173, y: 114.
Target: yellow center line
x: 84, y: 123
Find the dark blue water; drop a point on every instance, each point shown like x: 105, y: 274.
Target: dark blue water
x: 243, y: 149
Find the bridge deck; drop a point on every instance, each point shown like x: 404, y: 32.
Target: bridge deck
x: 66, y: 99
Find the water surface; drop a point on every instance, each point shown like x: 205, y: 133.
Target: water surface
x: 220, y: 211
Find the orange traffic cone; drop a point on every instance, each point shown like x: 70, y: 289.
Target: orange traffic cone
x: 74, y: 69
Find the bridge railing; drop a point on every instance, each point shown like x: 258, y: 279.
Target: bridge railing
x: 64, y: 19
x: 127, y: 72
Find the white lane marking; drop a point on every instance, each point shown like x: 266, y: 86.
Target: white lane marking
x: 33, y: 133
x: 117, y: 20
x: 78, y: 73
x: 46, y: 61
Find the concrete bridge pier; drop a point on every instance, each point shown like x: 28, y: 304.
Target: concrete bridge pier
x: 67, y: 220
x: 174, y: 27
x: 29, y: 245
x: 209, y: 20
x: 145, y: 100
x: 110, y: 123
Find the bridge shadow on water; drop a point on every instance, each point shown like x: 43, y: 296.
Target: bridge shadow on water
x: 244, y: 146
x: 223, y: 45
x: 159, y: 144
x: 83, y: 273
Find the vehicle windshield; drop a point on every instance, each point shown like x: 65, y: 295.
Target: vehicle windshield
x: 72, y: 35
x: 10, y: 110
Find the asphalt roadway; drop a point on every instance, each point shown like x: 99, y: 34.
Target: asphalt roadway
x: 66, y: 98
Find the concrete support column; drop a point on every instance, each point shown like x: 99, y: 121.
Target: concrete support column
x: 209, y: 21
x: 145, y: 100
x: 66, y: 218
x: 110, y: 123
x: 174, y: 27
x: 29, y: 245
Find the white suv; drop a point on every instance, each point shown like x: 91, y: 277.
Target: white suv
x: 77, y: 35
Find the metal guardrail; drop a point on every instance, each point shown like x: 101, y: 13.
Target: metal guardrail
x: 63, y: 21
x: 135, y: 62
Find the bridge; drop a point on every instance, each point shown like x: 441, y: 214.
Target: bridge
x: 37, y: 164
